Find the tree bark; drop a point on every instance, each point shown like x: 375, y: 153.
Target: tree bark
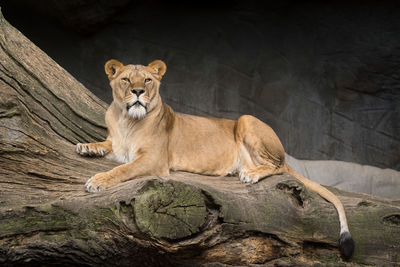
x: 46, y: 217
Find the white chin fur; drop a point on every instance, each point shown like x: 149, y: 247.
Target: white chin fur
x: 137, y: 112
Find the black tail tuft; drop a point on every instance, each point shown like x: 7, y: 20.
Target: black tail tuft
x: 346, y: 245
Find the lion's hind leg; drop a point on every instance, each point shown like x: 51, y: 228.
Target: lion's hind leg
x: 262, y: 153
x: 99, y: 149
x: 258, y: 173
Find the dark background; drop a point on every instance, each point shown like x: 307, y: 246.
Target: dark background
x: 324, y: 74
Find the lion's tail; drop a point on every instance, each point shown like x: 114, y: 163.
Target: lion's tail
x: 346, y: 242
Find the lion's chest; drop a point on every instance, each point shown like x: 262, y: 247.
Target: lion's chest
x: 124, y: 144
x: 122, y: 153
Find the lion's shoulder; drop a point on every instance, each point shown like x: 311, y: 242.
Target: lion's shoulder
x: 168, y: 116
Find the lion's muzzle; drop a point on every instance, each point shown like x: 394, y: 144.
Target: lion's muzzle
x: 136, y: 104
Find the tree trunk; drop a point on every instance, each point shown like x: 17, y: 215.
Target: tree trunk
x: 185, y: 219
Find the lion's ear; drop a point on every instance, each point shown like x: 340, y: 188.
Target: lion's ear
x: 112, y: 66
x: 158, y: 68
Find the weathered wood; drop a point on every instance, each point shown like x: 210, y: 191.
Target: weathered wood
x: 46, y: 217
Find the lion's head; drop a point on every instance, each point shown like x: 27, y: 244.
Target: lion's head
x: 135, y: 87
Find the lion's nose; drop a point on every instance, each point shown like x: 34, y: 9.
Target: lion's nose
x: 137, y: 92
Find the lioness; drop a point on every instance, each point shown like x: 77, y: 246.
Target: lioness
x: 151, y: 139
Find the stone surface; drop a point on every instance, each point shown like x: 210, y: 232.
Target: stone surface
x: 350, y: 176
x: 324, y: 75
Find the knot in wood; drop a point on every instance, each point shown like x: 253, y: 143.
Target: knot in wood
x: 170, y: 210
x: 295, y: 189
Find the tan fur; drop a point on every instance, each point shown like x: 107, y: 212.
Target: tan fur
x: 163, y: 140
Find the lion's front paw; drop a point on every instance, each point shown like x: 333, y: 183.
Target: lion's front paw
x: 248, y: 177
x: 90, y: 150
x: 98, y: 182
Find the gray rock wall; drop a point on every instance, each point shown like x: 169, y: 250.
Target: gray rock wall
x: 350, y: 176
x: 325, y: 76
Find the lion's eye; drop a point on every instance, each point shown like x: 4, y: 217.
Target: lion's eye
x: 147, y: 80
x: 126, y: 80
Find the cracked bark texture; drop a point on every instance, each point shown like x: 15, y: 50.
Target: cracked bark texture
x: 46, y: 218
